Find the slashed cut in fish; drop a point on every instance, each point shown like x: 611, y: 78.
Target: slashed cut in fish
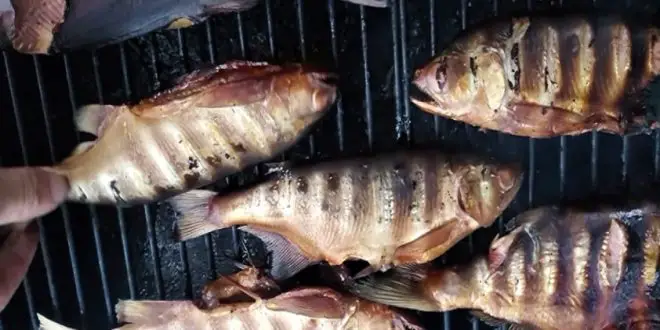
x: 300, y: 308
x: 213, y: 123
x: 224, y: 289
x: 49, y: 26
x: 548, y: 75
x: 556, y: 268
x: 393, y: 208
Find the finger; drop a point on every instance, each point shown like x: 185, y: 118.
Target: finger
x: 16, y: 254
x: 29, y: 192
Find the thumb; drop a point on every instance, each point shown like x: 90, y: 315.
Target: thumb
x: 29, y: 192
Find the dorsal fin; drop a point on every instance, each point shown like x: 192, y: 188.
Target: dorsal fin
x: 89, y: 118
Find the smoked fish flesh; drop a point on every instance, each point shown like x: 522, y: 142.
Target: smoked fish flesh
x: 548, y: 75
x: 300, y: 308
x: 557, y: 268
x: 52, y: 26
x: 214, y: 122
x: 389, y: 209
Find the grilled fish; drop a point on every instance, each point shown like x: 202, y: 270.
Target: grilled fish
x: 557, y: 268
x: 41, y: 27
x: 213, y: 123
x: 545, y: 76
x: 301, y: 308
x: 405, y: 207
x: 224, y: 290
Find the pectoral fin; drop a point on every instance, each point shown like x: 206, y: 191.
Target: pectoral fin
x: 311, y: 302
x: 286, y: 258
x: 432, y: 244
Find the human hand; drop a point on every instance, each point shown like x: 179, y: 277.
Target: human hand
x: 25, y: 193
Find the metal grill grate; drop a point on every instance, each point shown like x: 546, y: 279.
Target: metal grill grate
x: 375, y: 52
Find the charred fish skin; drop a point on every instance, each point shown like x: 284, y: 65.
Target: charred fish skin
x: 42, y: 27
x: 389, y: 209
x: 548, y: 75
x: 213, y: 123
x: 558, y: 268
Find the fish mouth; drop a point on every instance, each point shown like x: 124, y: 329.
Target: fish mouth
x: 325, y: 89
x: 511, y: 177
x: 423, y: 100
x: 325, y: 79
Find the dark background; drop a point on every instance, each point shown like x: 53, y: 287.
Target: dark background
x: 90, y: 257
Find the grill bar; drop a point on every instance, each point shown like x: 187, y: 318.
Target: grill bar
x: 21, y: 139
x: 367, y: 86
x: 335, y: 57
x: 94, y: 214
x: 120, y: 213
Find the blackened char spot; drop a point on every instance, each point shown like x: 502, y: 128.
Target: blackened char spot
x: 83, y: 196
x: 333, y: 182
x: 238, y: 147
x: 473, y: 66
x: 191, y: 179
x: 515, y: 59
x: 115, y: 192
x: 301, y: 184
x: 192, y: 163
x: 627, y: 289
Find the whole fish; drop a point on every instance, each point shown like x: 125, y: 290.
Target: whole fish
x: 301, y: 308
x: 558, y: 268
x: 544, y: 76
x: 213, y: 123
x: 41, y: 27
x: 405, y: 207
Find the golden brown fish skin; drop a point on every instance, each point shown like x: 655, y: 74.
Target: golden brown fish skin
x: 222, y: 290
x: 302, y: 308
x: 406, y: 207
x: 215, y: 122
x: 544, y: 76
x: 559, y: 268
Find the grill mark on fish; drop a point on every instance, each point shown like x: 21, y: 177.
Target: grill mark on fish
x: 362, y: 197
x: 569, y: 54
x: 592, y: 294
x: 333, y: 181
x: 430, y: 187
x: 628, y: 284
x: 603, y: 76
x: 639, y: 51
x: 565, y: 269
x: 531, y: 277
x: 533, y: 56
x: 403, y: 198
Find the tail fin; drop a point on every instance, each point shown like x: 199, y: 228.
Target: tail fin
x: 195, y: 207
x: 47, y: 324
x: 150, y: 312
x: 400, y: 287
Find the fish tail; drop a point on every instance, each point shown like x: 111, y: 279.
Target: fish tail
x: 48, y: 324
x: 400, y: 287
x: 197, y: 217
x: 147, y: 312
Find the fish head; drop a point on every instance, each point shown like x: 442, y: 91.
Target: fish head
x: 307, y: 91
x: 486, y: 189
x: 466, y: 87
